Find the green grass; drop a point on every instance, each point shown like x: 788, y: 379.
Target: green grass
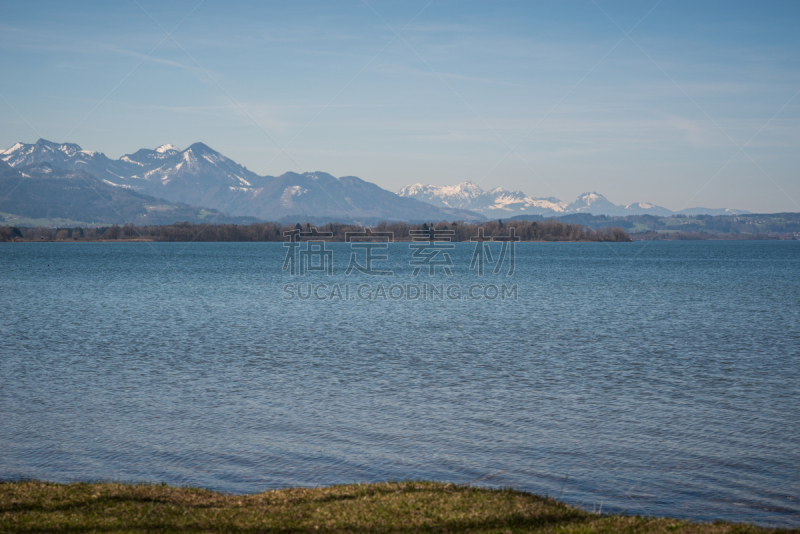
x: 17, y: 221
x: 679, y: 221
x: 388, y: 507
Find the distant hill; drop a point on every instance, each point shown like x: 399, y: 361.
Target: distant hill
x: 749, y: 223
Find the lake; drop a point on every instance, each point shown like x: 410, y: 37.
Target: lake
x: 654, y: 378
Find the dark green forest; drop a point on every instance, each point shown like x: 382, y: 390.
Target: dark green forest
x: 550, y: 230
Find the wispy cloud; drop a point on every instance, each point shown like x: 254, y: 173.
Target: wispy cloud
x: 44, y: 41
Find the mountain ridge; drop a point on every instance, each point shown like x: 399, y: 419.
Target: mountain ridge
x: 498, y: 203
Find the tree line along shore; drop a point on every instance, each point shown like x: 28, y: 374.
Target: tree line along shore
x: 705, y: 236
x: 394, y: 507
x: 549, y: 230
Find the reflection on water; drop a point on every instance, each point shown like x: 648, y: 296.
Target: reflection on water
x: 655, y: 378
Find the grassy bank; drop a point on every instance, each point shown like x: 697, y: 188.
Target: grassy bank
x: 389, y: 507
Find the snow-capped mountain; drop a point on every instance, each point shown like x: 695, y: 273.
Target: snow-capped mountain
x: 197, y: 175
x: 597, y: 204
x: 42, y: 151
x: 66, y: 156
x: 200, y: 176
x: 645, y: 208
x: 592, y: 203
x: 73, y: 197
x: 454, y: 196
x: 499, y: 203
x: 495, y: 203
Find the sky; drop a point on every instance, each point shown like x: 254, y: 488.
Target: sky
x: 681, y: 104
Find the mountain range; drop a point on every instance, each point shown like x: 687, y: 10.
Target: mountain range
x: 199, y: 177
x: 498, y: 203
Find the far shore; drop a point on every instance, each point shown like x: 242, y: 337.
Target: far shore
x: 385, y: 232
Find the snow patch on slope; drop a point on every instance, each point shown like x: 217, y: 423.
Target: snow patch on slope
x: 289, y: 192
x: 166, y: 148
x: 641, y: 205
x: 129, y: 160
x: 117, y: 185
x: 14, y: 148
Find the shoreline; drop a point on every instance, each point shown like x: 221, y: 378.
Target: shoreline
x: 677, y: 240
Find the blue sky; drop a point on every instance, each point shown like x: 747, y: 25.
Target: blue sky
x: 698, y: 106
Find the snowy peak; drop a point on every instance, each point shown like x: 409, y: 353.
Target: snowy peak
x: 196, y: 169
x: 147, y: 158
x: 594, y: 203
x: 199, y: 152
x: 191, y: 173
x: 646, y: 208
x: 41, y: 151
x: 65, y: 148
x: 494, y: 203
x: 167, y: 148
x: 455, y: 196
x: 499, y: 203
x: 201, y: 148
x: 590, y: 198
x: 464, y: 189
x: 412, y: 189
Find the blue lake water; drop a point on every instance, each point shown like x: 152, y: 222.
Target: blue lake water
x: 654, y: 378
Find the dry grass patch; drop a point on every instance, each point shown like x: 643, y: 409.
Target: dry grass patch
x: 389, y: 507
